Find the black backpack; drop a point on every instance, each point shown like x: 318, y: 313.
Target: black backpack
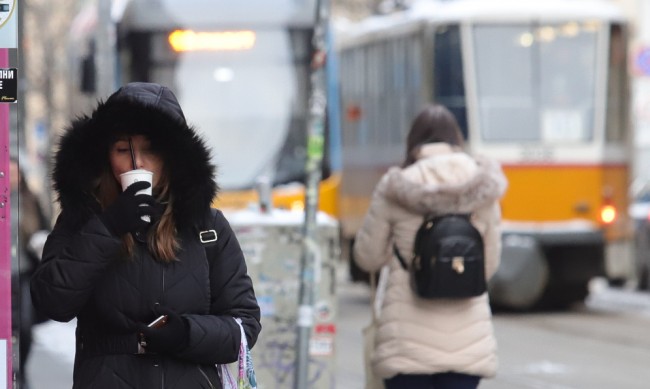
x: 448, y: 259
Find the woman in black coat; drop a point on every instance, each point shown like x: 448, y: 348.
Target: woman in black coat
x: 116, y: 272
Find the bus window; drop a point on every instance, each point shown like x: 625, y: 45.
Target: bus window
x: 617, y: 86
x: 536, y: 83
x: 449, y: 84
x: 271, y: 121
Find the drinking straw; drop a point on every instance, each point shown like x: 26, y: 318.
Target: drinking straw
x: 132, y: 154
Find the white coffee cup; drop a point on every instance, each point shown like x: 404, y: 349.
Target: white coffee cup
x: 133, y: 176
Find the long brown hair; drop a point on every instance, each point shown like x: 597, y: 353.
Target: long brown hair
x: 435, y: 123
x: 162, y: 238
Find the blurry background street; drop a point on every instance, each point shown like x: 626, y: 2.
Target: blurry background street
x: 603, y: 343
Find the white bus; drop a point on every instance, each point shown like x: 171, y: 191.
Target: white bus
x: 241, y: 73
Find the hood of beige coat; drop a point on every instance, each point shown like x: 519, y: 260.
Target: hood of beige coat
x: 444, y: 180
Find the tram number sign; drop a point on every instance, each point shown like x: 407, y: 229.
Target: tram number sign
x: 531, y: 153
x: 8, y: 85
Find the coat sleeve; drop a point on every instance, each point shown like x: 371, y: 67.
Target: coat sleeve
x: 373, y: 242
x: 215, y: 338
x: 72, y: 263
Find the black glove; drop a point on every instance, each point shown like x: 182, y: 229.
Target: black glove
x: 124, y: 215
x: 171, y: 337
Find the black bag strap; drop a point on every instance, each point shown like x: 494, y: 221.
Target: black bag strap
x: 396, y: 251
x: 399, y: 257
x: 207, y: 233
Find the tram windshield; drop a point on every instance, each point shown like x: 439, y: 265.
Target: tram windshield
x: 536, y: 83
x: 250, y: 102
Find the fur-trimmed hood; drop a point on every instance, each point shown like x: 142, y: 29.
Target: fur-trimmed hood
x: 454, y: 182
x: 137, y: 108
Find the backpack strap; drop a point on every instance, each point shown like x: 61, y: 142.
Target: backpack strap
x: 399, y: 257
x: 396, y: 251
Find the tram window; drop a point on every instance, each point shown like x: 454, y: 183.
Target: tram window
x: 373, y: 69
x: 567, y: 81
x: 617, y: 100
x: 349, y: 100
x: 535, y: 82
x: 414, y: 59
x: 449, y: 83
x: 414, y: 80
x: 398, y: 92
x: 383, y: 119
x: 359, y: 69
x: 382, y: 58
x: 371, y: 72
x: 355, y: 133
x: 399, y: 72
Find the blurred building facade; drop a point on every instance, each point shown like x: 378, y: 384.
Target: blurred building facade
x: 42, y: 88
x: 44, y: 67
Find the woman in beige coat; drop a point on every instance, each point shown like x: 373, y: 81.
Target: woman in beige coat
x: 440, y: 343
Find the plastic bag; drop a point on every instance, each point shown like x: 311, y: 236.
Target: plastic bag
x: 245, y: 371
x: 378, y: 289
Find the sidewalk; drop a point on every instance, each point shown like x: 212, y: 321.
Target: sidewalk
x: 52, y: 357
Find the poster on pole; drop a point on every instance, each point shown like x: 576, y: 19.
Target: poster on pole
x: 8, y: 79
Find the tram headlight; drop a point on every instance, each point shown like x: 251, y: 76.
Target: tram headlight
x: 608, y: 214
x: 297, y: 205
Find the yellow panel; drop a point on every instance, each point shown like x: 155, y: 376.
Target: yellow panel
x: 539, y: 193
x: 285, y: 197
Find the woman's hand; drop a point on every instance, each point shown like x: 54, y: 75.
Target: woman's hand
x: 171, y: 337
x: 125, y: 214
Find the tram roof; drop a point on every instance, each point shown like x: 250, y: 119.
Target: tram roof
x: 519, y: 9
x: 165, y: 14
x: 424, y: 11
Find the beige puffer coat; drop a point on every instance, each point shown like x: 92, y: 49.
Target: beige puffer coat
x: 417, y: 336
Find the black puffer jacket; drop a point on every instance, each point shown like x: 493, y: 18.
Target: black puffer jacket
x: 83, y: 276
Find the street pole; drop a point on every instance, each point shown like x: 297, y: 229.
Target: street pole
x: 315, y: 144
x: 8, y: 95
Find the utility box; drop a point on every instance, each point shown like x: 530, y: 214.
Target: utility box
x: 273, y: 245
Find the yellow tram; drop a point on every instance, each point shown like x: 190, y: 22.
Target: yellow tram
x: 540, y: 86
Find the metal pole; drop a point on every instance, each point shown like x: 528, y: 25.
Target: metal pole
x: 105, y: 54
x: 5, y: 237
x: 315, y: 144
